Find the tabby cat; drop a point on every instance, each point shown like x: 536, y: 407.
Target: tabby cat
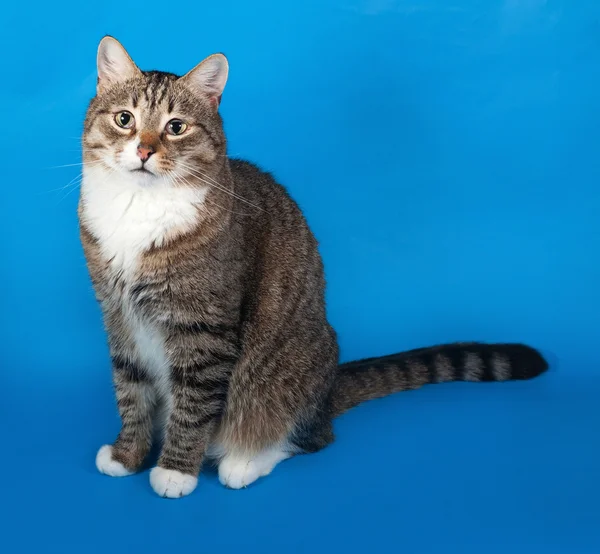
x: 212, y: 292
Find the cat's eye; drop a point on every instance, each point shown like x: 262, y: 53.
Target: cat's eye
x: 176, y: 127
x: 125, y: 120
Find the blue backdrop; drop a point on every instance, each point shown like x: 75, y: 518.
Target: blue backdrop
x: 446, y: 155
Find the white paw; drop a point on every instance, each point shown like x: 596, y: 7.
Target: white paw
x: 170, y: 483
x: 108, y: 466
x: 237, y: 472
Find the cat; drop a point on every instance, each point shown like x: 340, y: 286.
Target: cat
x: 212, y: 292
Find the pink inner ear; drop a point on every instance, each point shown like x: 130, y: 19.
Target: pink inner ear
x: 215, y: 100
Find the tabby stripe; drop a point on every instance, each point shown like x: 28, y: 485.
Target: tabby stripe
x: 96, y: 115
x: 136, y: 290
x: 428, y: 361
x: 213, y: 139
x: 202, y: 327
x: 456, y: 358
x: 198, y: 383
x: 214, y: 359
x: 486, y: 356
x: 217, y: 395
x: 164, y: 91
x: 209, y: 387
x: 191, y: 422
x: 94, y: 145
x: 128, y: 370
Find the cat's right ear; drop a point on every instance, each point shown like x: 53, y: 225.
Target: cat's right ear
x: 114, y: 64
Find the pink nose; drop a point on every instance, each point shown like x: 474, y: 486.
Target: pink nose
x: 144, y: 152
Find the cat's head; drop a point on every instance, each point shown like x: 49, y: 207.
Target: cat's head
x: 151, y: 126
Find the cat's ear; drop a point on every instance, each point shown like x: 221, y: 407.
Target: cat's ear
x: 209, y: 77
x: 114, y: 64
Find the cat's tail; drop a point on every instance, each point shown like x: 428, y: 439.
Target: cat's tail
x: 371, y: 378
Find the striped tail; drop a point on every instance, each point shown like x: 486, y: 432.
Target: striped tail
x: 371, y: 378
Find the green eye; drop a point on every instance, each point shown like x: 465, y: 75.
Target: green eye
x: 176, y: 127
x: 125, y: 120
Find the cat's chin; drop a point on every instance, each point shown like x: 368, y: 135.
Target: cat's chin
x: 145, y: 178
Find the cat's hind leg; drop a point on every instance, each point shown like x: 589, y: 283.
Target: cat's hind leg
x: 238, y: 470
x: 277, y: 406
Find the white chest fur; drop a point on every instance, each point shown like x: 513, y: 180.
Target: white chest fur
x: 127, y: 218
x: 149, y: 345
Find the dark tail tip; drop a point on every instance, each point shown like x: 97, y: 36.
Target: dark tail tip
x: 526, y: 362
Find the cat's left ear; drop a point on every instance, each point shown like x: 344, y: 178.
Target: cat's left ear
x: 209, y: 77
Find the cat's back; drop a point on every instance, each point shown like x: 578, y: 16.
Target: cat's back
x: 261, y: 189
x: 277, y: 235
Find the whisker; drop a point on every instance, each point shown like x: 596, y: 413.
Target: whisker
x: 79, y: 164
x: 65, y: 165
x: 194, y: 172
x: 67, y: 194
x: 110, y: 173
x: 182, y: 178
x: 73, y: 182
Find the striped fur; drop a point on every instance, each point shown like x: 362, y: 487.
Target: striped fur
x: 213, y: 293
x: 377, y: 377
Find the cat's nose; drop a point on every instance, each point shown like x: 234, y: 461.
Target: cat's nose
x: 144, y: 151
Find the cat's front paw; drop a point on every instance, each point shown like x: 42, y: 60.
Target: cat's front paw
x: 107, y: 465
x: 170, y: 483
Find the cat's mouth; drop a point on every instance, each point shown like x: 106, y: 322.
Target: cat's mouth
x: 142, y: 170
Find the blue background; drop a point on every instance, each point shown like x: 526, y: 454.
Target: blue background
x: 446, y: 155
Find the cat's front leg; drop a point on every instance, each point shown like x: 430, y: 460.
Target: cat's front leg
x: 136, y: 401
x: 200, y: 374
